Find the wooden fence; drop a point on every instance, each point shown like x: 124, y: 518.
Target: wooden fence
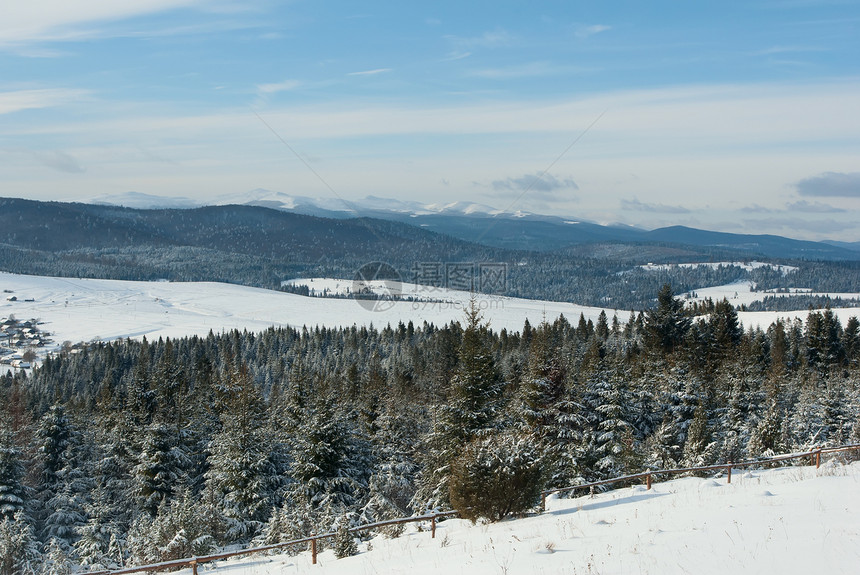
x: 647, y: 476
x: 193, y: 562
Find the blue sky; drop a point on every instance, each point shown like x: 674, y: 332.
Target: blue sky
x: 738, y: 116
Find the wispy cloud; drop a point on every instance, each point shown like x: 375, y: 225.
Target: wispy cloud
x: 770, y: 51
x: 456, y: 55
x: 813, y: 207
x: 60, y: 161
x: 755, y: 209
x: 494, y: 39
x: 584, y: 31
x: 19, y: 100
x: 284, y: 86
x: 831, y: 184
x: 535, y: 184
x: 531, y: 69
x: 635, y: 205
x: 792, y: 225
x: 373, y: 72
x: 59, y: 20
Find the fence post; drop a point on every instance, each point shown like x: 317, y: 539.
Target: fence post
x: 543, y: 501
x: 433, y: 527
x: 729, y: 468
x: 648, y: 481
x: 818, y: 458
x: 313, y: 549
x: 194, y: 566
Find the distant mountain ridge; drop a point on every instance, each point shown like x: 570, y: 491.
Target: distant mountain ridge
x: 260, y: 246
x: 478, y: 223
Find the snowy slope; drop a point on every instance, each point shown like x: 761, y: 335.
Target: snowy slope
x: 789, y: 521
x: 739, y: 293
x: 86, y: 309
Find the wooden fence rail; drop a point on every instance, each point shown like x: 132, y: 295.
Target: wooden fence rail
x: 193, y: 562
x: 647, y: 476
x: 815, y: 456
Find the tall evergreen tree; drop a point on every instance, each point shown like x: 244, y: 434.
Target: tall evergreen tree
x: 242, y: 472
x: 667, y: 324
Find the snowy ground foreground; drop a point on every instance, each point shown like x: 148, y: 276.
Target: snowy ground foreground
x: 86, y: 309
x: 788, y: 521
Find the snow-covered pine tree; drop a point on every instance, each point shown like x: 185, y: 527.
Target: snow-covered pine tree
x: 329, y: 463
x: 98, y: 544
x: 609, y: 442
x: 496, y: 475
x: 699, y: 448
x: 392, y: 483
x: 12, y: 492
x: 546, y: 409
x: 344, y: 541
x: 242, y: 472
x: 178, y: 530
x: 162, y: 464
x: 19, y: 549
x: 667, y: 324
x: 473, y: 403
x: 56, y: 559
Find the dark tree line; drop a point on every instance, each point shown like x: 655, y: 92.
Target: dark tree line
x: 139, y: 451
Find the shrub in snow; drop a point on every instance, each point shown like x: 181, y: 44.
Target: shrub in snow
x: 496, y: 476
x: 56, y: 561
x: 344, y: 541
x: 177, y: 532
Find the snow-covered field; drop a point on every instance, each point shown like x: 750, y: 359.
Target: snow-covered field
x: 748, y: 266
x: 739, y: 293
x: 86, y: 309
x: 789, y: 521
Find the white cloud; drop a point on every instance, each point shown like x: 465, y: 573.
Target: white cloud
x: 284, y: 86
x: 528, y: 70
x: 456, y: 55
x: 636, y: 206
x: 370, y: 72
x: 584, y: 32
x: 19, y: 100
x: 59, y: 20
x: 730, y: 144
x: 494, y: 39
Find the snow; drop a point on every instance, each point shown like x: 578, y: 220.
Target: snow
x: 92, y: 309
x: 739, y: 293
x: 748, y: 266
x: 792, y: 520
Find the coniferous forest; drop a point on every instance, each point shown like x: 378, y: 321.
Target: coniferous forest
x: 133, y: 452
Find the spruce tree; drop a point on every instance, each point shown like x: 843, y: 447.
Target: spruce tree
x: 242, y: 472
x: 470, y: 411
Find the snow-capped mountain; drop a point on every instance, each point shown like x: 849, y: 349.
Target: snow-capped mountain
x: 490, y: 226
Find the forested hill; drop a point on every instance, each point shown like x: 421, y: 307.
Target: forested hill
x: 247, y: 230
x: 261, y: 247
